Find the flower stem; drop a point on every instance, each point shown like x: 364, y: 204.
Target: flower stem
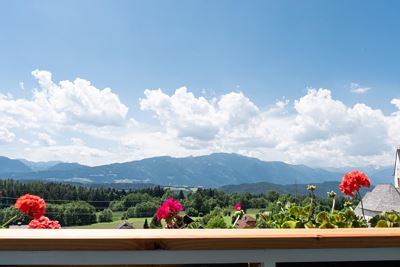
x: 362, y: 206
x: 9, y: 221
x: 311, y: 206
x: 333, y: 204
x: 237, y: 219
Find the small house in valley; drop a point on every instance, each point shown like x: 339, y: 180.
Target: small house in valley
x: 246, y: 222
x: 125, y: 225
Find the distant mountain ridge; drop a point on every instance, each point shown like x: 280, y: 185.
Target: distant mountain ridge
x: 39, y: 166
x: 8, y: 165
x: 213, y: 170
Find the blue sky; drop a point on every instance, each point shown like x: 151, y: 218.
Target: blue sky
x: 266, y: 51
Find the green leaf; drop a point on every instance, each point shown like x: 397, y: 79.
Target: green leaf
x: 327, y: 225
x: 322, y: 217
x: 295, y: 211
x: 392, y: 218
x: 289, y: 224
x: 382, y: 223
x: 309, y: 225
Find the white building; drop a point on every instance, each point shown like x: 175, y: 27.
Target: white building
x: 396, y: 173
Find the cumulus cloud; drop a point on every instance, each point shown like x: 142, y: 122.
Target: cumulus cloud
x: 6, y: 136
x: 65, y: 103
x: 322, y: 131
x: 358, y: 89
x: 229, y: 123
x: 184, y: 115
x: 327, y: 132
x: 79, y: 101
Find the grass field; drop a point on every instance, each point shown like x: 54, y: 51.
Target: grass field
x: 138, y: 222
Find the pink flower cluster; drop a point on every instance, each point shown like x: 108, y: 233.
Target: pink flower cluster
x: 169, y: 209
x: 237, y: 207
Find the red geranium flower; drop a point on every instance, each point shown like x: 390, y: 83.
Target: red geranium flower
x: 169, y: 209
x: 44, y: 223
x: 31, y: 205
x: 237, y: 207
x: 353, y: 181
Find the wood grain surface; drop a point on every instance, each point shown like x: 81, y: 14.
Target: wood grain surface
x: 193, y: 239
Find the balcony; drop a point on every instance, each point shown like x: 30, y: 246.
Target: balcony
x: 252, y: 247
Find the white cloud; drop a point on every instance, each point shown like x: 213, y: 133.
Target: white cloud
x: 358, y: 89
x: 23, y: 141
x: 79, y: 101
x: 182, y: 114
x: 45, y: 139
x: 322, y: 131
x: 327, y: 132
x: 6, y: 136
x: 218, y: 124
x: 396, y: 102
x: 67, y: 103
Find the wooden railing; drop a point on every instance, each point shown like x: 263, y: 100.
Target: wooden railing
x: 265, y: 247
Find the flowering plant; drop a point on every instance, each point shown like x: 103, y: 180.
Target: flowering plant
x: 238, y: 213
x: 352, y: 183
x: 33, y: 207
x: 169, y: 211
x: 44, y: 223
x: 237, y: 207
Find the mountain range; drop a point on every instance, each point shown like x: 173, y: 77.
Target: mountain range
x: 213, y: 170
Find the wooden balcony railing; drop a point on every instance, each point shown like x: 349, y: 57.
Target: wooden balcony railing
x: 263, y: 247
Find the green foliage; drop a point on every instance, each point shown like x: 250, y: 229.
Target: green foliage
x: 195, y: 225
x: 145, y: 209
x: 98, y: 197
x: 105, y: 215
x: 217, y: 222
x: 339, y: 219
x: 8, y: 213
x: 294, y: 216
x: 289, y: 216
x: 192, y: 212
x: 116, y: 205
x: 132, y: 199
x: 216, y: 212
x: 155, y: 224
x: 386, y: 219
x: 55, y: 212
x: 79, y: 213
x: 130, y: 213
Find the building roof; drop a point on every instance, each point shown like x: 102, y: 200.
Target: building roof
x: 124, y: 225
x: 18, y: 226
x: 384, y: 197
x: 246, y: 222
